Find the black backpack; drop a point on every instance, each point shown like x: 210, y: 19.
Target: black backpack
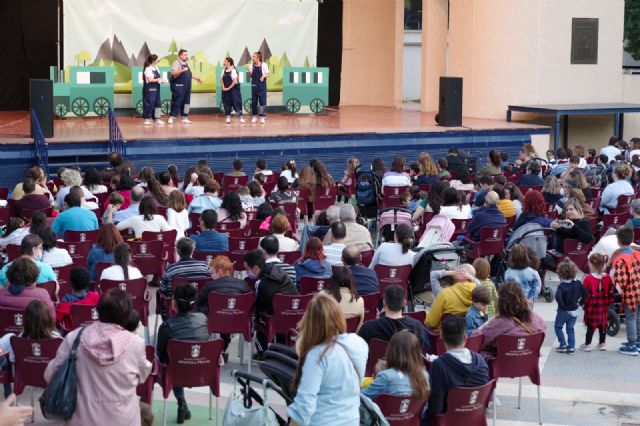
x: 366, y: 189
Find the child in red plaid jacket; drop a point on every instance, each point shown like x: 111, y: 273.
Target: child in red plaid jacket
x: 626, y: 277
x: 599, y: 288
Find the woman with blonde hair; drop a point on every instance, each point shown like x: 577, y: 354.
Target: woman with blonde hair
x: 330, y: 367
x: 428, y: 170
x: 619, y: 187
x: 551, y: 190
x: 177, y: 213
x: 71, y: 178
x: 307, y: 180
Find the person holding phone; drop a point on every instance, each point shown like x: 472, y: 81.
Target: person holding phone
x: 231, y: 96
x: 181, y: 87
x: 258, y: 72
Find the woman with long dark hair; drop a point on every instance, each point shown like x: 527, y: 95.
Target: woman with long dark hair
x: 122, y: 269
x: 343, y: 289
x: 92, y: 180
x: 398, y: 252
x: 151, y: 80
x: 175, y: 176
x: 231, y: 97
x: 102, y: 251
x: 396, y: 176
x: 147, y: 220
x: 323, y: 178
x: 454, y: 204
x: 231, y: 210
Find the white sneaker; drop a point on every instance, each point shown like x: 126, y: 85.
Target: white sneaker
x: 186, y: 120
x: 147, y: 122
x: 254, y: 119
x: 242, y: 119
x: 228, y: 120
x: 160, y: 122
x: 262, y: 120
x: 170, y: 120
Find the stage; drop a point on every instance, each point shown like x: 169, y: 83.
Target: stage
x: 365, y: 132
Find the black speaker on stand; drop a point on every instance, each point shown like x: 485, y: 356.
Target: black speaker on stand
x: 450, y: 105
x: 41, y: 95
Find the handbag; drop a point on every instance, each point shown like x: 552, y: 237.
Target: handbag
x: 59, y: 399
x: 240, y: 411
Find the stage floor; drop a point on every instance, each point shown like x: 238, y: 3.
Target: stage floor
x: 14, y: 126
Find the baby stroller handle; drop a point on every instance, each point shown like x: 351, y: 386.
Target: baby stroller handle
x: 532, y: 231
x: 245, y: 379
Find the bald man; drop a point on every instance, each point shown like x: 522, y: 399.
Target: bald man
x: 487, y: 216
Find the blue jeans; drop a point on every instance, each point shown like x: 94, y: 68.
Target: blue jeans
x: 178, y: 393
x: 565, y: 318
x: 632, y: 322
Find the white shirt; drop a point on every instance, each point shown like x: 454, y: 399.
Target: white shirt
x: 396, y: 180
x: 56, y: 257
x: 333, y: 253
x: 14, y: 238
x: 139, y: 225
x: 285, y: 243
x: 455, y: 212
x: 390, y: 254
x: 98, y: 189
x: 63, y: 193
x: 115, y: 273
x: 289, y: 176
x: 179, y: 221
x: 607, y: 245
x: 148, y: 72
x: 611, y: 152
x: 194, y: 190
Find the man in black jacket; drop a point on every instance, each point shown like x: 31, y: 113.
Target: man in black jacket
x: 365, y: 279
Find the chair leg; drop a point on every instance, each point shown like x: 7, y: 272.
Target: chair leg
x: 147, y: 336
x: 164, y: 412
x: 251, y: 346
x: 241, y: 348
x: 155, y: 331
x: 519, y: 391
x: 539, y: 407
x: 494, y: 407
x: 33, y: 407
x: 210, y: 413
x: 217, y: 413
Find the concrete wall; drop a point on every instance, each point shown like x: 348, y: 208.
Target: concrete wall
x: 412, y: 66
x: 373, y: 34
x: 434, y: 48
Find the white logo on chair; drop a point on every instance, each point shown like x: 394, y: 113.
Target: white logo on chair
x: 231, y: 303
x: 404, y: 406
x: 295, y: 303
x: 83, y: 237
x: 281, y: 257
x: 35, y: 349
x: 521, y: 342
x: 579, y: 247
x: 392, y: 273
x: 474, y: 397
x: 143, y: 248
x: 72, y: 249
x: 235, y: 181
x: 94, y: 314
x: 55, y: 271
x: 396, y: 191
x: 496, y: 233
x: 320, y: 285
x: 194, y: 285
x: 195, y: 351
x: 241, y: 244
x: 123, y: 286
x: 160, y: 237
x: 17, y: 319
x: 209, y: 259
x: 326, y: 192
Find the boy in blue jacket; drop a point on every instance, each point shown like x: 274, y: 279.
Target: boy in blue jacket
x: 477, y: 314
x: 570, y: 295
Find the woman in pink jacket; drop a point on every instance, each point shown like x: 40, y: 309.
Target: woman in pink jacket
x: 111, y: 362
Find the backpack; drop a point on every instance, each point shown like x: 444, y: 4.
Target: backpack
x: 596, y: 176
x: 439, y: 230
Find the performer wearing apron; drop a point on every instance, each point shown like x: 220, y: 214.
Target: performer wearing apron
x: 181, y: 87
x: 231, y: 97
x: 151, y: 90
x: 258, y: 71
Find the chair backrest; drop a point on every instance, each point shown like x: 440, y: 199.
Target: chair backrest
x: 64, y: 282
x: 193, y: 364
x: 233, y: 183
x: 402, y: 410
x: 208, y: 256
x: 352, y: 324
x: 162, y: 211
x: 137, y: 291
x: 518, y: 356
x: 289, y: 257
x: 492, y: 241
x: 302, y: 194
x: 31, y: 359
x: 145, y: 389
x: 238, y: 247
x: 197, y: 283
x: 367, y: 257
x: 28, y: 213
x: 312, y: 285
x: 147, y: 256
x: 614, y: 220
x: 461, y: 226
x: 253, y: 228
x: 82, y: 315
x: 288, y: 311
x: 51, y: 287
x: 231, y: 313
x: 578, y: 252
x: 466, y: 406
x: 393, y: 275
x: 377, y: 351
x: 128, y: 234
x: 11, y: 321
x: 391, y: 195
x: 324, y: 198
x: 80, y: 236
x: 79, y: 251
x: 227, y: 226
x: 371, y: 302
x: 100, y: 266
x: 13, y: 252
x: 417, y: 315
x: 5, y: 215
x: 168, y: 239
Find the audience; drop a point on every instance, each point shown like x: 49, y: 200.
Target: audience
x: 186, y: 267
x: 177, y: 214
x: 520, y: 270
x: 312, y: 262
x: 209, y: 240
x: 74, y: 218
x: 127, y: 209
x: 488, y: 216
x: 146, y: 220
x: 271, y: 247
x: 483, y: 269
x: 477, y: 314
x: 102, y: 251
x: 31, y: 200
x: 31, y: 249
x: 356, y: 233
x: 279, y: 227
x: 22, y: 274
x: 398, y: 252
x: 122, y: 269
x: 231, y: 210
x: 365, y: 279
x: 283, y: 195
x: 223, y: 282
x: 80, y: 295
x: 454, y: 299
x: 344, y: 291
x: 333, y: 251
x: 619, y: 187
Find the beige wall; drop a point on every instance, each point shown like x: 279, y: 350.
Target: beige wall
x: 434, y: 47
x: 632, y: 95
x: 373, y: 34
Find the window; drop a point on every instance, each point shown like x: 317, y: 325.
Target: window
x: 412, y: 14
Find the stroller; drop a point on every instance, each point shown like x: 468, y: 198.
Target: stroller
x: 434, y: 258
x: 387, y: 221
x: 367, y: 193
x: 531, y: 235
x: 615, y: 315
x: 241, y: 410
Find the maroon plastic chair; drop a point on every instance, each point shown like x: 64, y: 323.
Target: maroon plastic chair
x: 80, y: 236
x: 11, y: 321
x: 191, y: 364
x: 139, y: 294
x: 4, y: 193
x: 302, y: 195
x: 252, y: 229
x: 353, y: 323
x: 5, y: 215
x: 197, y: 283
x: 227, y: 226
x: 168, y: 239
x: 417, y: 315
x: 391, y: 196
x: 82, y: 315
x: 474, y: 343
x: 147, y: 256
x: 636, y: 235
x: 491, y: 243
x: 128, y: 234
x: 287, y: 312
x: 371, y: 303
x: 575, y: 250
x: 79, y: 251
x: 62, y: 276
x: 312, y: 285
x: 324, y: 198
x: 289, y: 257
x: 31, y: 359
x: 100, y: 266
x: 217, y: 176
x: 13, y: 252
x: 163, y: 303
x: 461, y: 228
x: 237, y: 249
x: 366, y: 257
x: 612, y: 220
x: 233, y: 183
x: 145, y: 389
x: 597, y: 192
x: 465, y: 406
x: 230, y: 314
x: 377, y: 351
x: 52, y: 289
x: 518, y: 356
x: 393, y: 275
x: 401, y: 410
x: 624, y: 204
x: 208, y: 256
x: 27, y: 214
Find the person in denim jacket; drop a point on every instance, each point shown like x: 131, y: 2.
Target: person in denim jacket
x: 477, y: 315
x: 520, y: 270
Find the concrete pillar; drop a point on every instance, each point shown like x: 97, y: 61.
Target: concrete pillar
x: 434, y: 51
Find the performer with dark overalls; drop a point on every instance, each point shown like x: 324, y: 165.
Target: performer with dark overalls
x: 258, y: 71
x: 231, y: 96
x: 181, y: 87
x: 151, y: 90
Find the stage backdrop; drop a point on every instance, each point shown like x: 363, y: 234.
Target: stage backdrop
x: 122, y: 33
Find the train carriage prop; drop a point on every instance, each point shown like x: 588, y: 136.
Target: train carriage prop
x: 245, y: 88
x: 88, y: 91
x: 136, y: 89
x: 305, y: 87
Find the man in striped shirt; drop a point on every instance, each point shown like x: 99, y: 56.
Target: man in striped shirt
x: 271, y: 246
x: 186, y: 267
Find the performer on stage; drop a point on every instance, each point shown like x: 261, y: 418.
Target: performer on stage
x: 151, y: 90
x: 258, y: 71
x: 181, y: 87
x: 231, y: 97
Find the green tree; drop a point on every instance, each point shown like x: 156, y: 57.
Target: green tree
x: 200, y: 58
x: 306, y: 62
x: 83, y: 57
x: 632, y: 28
x: 173, y: 47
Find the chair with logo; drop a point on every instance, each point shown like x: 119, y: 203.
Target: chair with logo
x: 391, y: 196
x: 366, y: 257
x: 80, y: 236
x: 233, y: 183
x: 393, y: 275
x: 466, y: 406
x: 82, y: 315
x: 575, y: 250
x: 192, y: 364
x: 377, y: 351
x: 371, y: 303
x: 491, y: 243
x: 401, y: 410
x: 168, y: 239
x: 147, y: 256
x: 208, y: 257
x: 302, y: 195
x: 13, y: 252
x: 230, y: 314
x: 461, y: 228
x: 79, y: 251
x: 324, y: 198
x: 11, y: 321
x: 289, y: 257
x: 352, y: 324
x: 287, y: 312
x: 52, y: 289
x: 312, y: 285
x: 139, y: 294
x: 237, y: 249
x: 64, y: 282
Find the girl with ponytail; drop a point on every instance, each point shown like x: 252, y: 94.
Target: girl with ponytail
x: 397, y: 253
x: 122, y: 269
x: 596, y: 309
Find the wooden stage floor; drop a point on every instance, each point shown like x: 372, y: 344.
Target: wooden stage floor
x: 14, y: 126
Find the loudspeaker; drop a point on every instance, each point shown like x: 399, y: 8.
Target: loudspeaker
x: 450, y: 105
x: 41, y: 95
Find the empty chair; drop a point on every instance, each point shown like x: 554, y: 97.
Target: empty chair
x: 466, y: 406
x: 491, y: 243
x: 80, y: 236
x: 287, y: 313
x: 168, y: 239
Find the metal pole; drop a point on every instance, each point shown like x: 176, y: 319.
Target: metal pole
x: 58, y: 37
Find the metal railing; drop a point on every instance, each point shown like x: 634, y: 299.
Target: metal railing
x: 117, y: 143
x: 40, y: 147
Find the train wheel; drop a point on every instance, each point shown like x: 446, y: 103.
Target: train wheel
x: 61, y: 110
x: 316, y: 105
x: 139, y: 108
x: 80, y: 107
x: 165, y: 106
x: 247, y: 106
x: 101, y: 106
x: 293, y: 105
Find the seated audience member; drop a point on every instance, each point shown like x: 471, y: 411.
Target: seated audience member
x: 14, y: 232
x: 146, y: 220
x: 209, y: 240
x: 223, y: 282
x: 514, y: 318
x: 186, y: 267
x: 207, y: 201
x: 74, y: 218
x: 365, y: 279
x: 256, y: 191
x: 533, y: 210
x: 80, y: 295
x: 505, y: 205
x: 283, y: 195
x: 289, y: 171
x: 312, y: 262
x: 454, y: 205
x: 397, y: 253
x: 403, y: 373
x: 458, y: 367
x: 122, y: 269
x: 177, y: 215
x: 483, y: 185
x: 231, y: 210
x: 84, y: 203
x: 619, y: 187
x: 396, y: 176
x: 246, y: 200
x: 333, y: 251
x: 452, y: 300
x: 321, y: 226
x: 477, y: 314
x: 261, y: 167
x: 22, y: 274
x: 237, y: 169
x: 36, y: 174
x: 385, y: 327
x: 31, y: 200
x: 117, y: 166
x: 562, y: 164
x: 166, y: 183
x: 634, y: 221
x: 520, y: 270
x: 344, y: 291
x: 483, y: 270
x: 116, y: 200
x: 195, y: 188
x: 71, y: 178
x: 52, y: 255
x: 271, y: 248
x: 442, y: 165
x: 356, y: 233
x: 185, y: 325
x: 493, y: 164
x: 102, y: 251
x: 551, y: 190
x: 532, y: 177
x: 120, y: 213
x: 279, y: 227
x: 31, y: 249
x: 272, y: 280
x: 428, y: 171
x: 612, y: 150
x: 488, y: 216
x: 574, y: 226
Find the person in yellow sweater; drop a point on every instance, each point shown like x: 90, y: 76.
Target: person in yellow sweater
x: 505, y: 205
x: 452, y: 300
